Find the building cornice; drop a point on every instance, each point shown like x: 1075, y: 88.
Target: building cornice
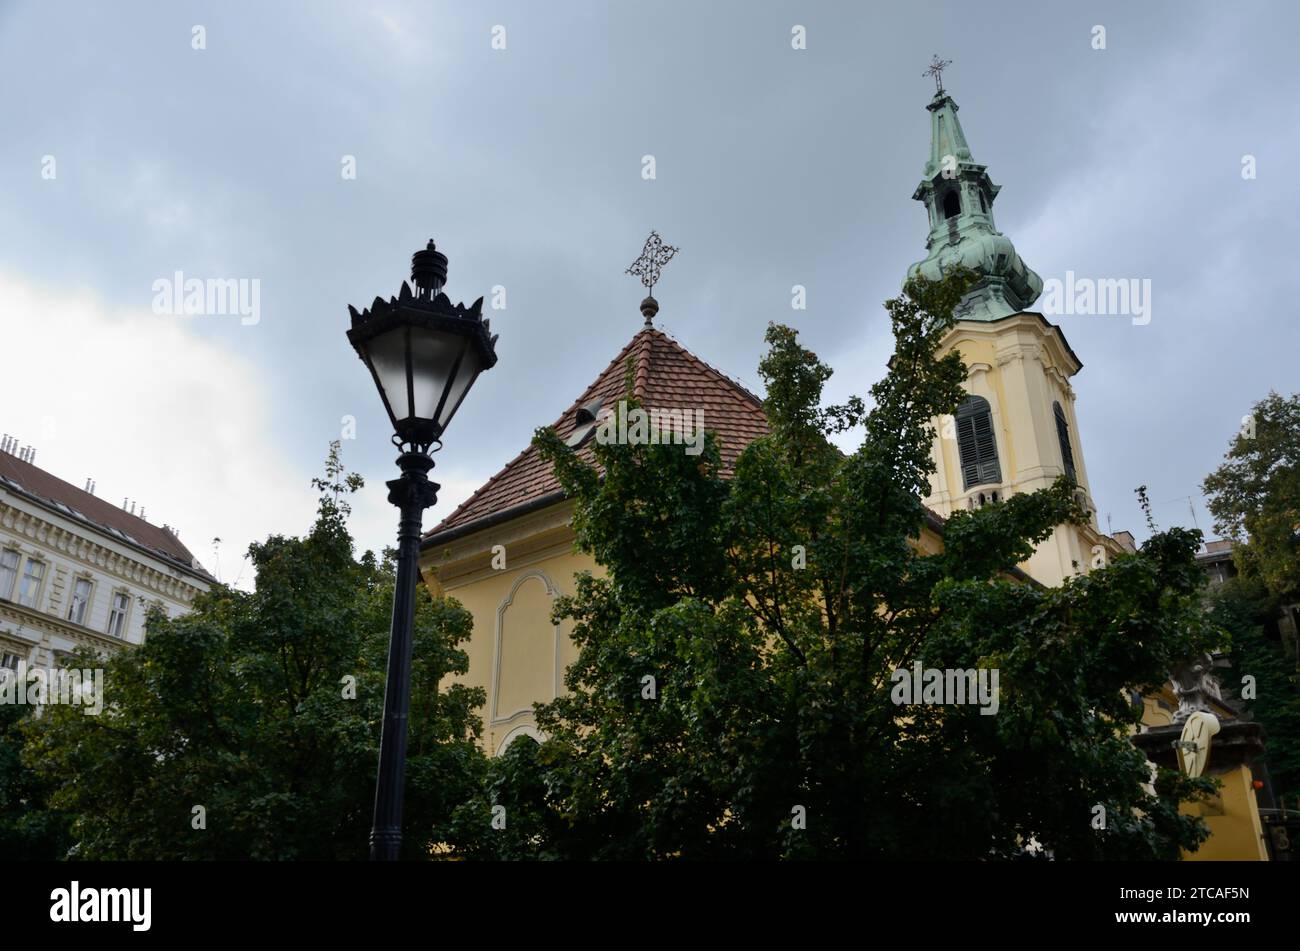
x: 1039, y: 329
x: 85, y: 550
x: 527, y: 538
x: 30, y: 618
x: 90, y: 525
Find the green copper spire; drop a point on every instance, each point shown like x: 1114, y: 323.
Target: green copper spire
x: 959, y: 196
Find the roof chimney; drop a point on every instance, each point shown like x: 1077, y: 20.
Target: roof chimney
x: 132, y: 508
x: 142, y: 511
x: 124, y: 505
x: 92, y: 486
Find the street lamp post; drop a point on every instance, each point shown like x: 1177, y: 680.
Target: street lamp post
x: 424, y: 355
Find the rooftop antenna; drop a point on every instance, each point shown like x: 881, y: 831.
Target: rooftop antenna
x: 1190, y: 507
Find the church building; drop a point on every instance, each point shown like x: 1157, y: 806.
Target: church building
x: 507, y: 552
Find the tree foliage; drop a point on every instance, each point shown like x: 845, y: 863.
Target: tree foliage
x: 731, y: 696
x: 1255, y: 499
x: 246, y: 708
x: 1243, y: 608
x: 1255, y: 495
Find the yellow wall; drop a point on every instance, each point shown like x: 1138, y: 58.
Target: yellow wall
x: 516, y: 654
x: 1236, y: 832
x: 1021, y: 366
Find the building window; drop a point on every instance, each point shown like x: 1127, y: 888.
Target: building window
x: 80, y: 599
x: 975, y: 443
x: 117, y: 616
x: 951, y: 204
x: 8, y: 665
x: 1063, y: 437
x: 30, y: 590
x: 8, y: 573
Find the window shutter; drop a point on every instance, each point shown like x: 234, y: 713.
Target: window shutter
x: 1063, y: 437
x: 976, y: 443
x: 987, y: 449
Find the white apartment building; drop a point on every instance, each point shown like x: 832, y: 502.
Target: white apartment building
x: 78, y: 571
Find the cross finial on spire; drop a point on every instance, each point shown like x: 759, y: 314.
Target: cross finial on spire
x: 653, y: 257
x: 937, y: 66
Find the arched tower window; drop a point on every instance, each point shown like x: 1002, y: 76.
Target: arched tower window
x: 1063, y: 437
x: 976, y: 444
x: 951, y: 204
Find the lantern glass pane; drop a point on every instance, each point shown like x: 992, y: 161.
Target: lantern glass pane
x: 387, y: 354
x: 465, y: 376
x: 433, y: 354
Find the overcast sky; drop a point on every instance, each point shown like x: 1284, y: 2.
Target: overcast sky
x: 774, y: 167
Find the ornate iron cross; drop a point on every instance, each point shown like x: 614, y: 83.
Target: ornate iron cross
x: 937, y: 66
x: 654, y: 256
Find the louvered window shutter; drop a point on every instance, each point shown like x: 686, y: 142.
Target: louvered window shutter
x: 1063, y: 437
x: 976, y: 443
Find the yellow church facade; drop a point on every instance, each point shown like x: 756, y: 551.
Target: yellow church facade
x: 517, y: 654
x: 508, y: 552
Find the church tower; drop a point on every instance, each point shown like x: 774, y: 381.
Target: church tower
x: 1016, y: 430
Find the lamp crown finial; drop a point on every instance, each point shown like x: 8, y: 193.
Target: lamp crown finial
x: 428, y: 271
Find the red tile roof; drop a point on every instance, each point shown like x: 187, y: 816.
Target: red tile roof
x: 665, y: 376
x: 101, y: 515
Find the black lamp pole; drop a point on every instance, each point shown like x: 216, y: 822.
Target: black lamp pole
x: 424, y: 355
x: 412, y: 493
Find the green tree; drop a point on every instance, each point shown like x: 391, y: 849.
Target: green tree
x: 29, y: 829
x: 732, y: 692
x: 1255, y: 499
x: 264, y: 709
x: 1244, y: 609
x: 1254, y: 496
